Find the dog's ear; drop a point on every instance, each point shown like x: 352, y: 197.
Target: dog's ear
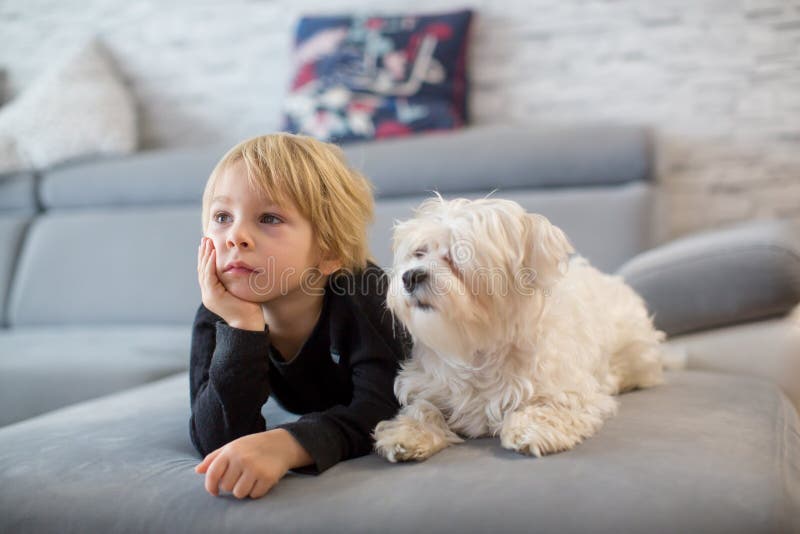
x: 401, y: 231
x: 547, y: 250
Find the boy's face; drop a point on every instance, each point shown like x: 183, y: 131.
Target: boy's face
x: 264, y: 251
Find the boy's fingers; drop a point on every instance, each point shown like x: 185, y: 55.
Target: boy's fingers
x: 259, y: 489
x: 208, y: 264
x: 207, y: 272
x: 203, y: 466
x: 232, y: 475
x: 214, y: 474
x: 199, y: 256
x: 244, y: 485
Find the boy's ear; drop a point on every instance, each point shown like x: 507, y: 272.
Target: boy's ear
x: 329, y: 266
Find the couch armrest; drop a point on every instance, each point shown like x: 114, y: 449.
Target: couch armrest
x: 744, y: 273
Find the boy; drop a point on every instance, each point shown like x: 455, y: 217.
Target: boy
x: 292, y: 308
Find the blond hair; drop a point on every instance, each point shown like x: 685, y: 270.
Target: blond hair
x: 313, y: 176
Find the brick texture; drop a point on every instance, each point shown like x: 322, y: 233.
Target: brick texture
x: 718, y: 80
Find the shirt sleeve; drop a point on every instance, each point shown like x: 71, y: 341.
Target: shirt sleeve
x: 377, y: 345
x: 227, y: 380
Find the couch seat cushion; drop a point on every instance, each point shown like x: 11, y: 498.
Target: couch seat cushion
x: 705, y: 453
x: 769, y: 349
x: 44, y: 369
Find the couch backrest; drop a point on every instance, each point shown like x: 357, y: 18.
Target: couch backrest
x: 117, y: 240
x: 17, y: 207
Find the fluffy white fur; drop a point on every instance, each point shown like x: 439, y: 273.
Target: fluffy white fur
x: 511, y: 337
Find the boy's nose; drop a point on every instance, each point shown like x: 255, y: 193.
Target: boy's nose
x: 238, y: 242
x: 239, y: 238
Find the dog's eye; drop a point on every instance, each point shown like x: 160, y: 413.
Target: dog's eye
x: 420, y: 252
x: 449, y: 261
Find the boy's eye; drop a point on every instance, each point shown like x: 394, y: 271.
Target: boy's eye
x: 221, y: 217
x: 269, y: 218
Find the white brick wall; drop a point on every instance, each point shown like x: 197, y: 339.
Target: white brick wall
x: 719, y: 80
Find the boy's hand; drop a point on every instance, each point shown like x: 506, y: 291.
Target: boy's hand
x: 251, y: 465
x: 236, y: 312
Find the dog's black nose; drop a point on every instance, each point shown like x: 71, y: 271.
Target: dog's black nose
x: 414, y: 277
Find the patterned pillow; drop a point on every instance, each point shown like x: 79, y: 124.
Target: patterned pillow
x: 367, y: 77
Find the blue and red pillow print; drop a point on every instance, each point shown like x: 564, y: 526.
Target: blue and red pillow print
x: 371, y: 77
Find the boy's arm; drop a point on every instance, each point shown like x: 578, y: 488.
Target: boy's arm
x: 378, y: 345
x: 228, y: 381
x: 344, y: 432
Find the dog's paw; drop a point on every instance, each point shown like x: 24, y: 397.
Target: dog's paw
x: 403, y: 439
x: 523, y: 434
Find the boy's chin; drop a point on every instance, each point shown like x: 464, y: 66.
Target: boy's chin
x: 246, y: 293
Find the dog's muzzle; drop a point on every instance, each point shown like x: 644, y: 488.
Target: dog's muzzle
x: 412, y: 278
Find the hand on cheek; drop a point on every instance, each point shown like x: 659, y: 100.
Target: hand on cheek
x: 216, y: 297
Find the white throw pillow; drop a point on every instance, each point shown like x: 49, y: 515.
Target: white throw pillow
x: 78, y: 108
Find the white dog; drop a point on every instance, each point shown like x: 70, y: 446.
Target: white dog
x: 510, y: 336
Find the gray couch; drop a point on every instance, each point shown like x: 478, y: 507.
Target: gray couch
x: 98, y: 288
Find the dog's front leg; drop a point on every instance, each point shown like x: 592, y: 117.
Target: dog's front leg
x: 546, y: 425
x: 417, y: 432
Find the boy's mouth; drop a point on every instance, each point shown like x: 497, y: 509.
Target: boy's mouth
x: 238, y: 267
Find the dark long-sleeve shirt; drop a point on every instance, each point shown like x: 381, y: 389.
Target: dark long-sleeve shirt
x: 341, y: 379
